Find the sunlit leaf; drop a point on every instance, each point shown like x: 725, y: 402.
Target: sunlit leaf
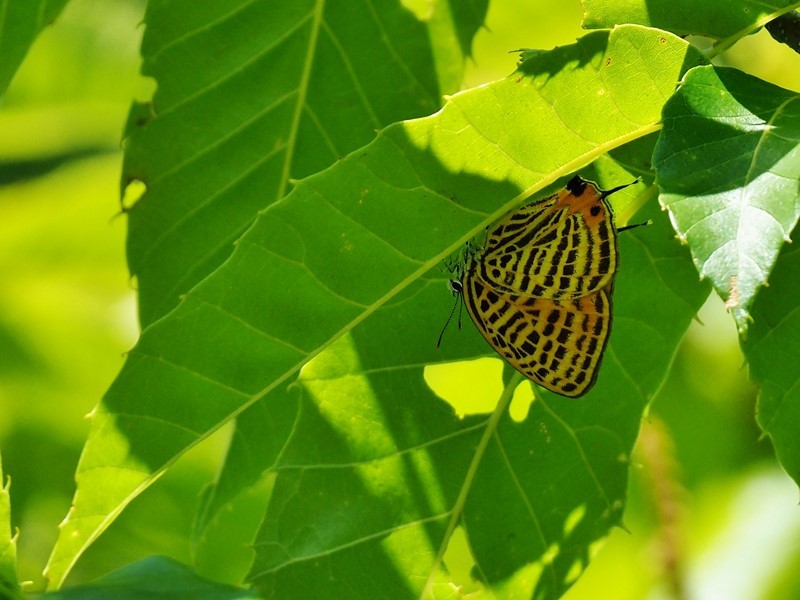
x: 683, y: 17
x: 375, y: 470
x: 728, y: 166
x: 252, y: 95
x: 353, y: 252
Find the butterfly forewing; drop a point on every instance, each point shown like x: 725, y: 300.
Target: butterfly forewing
x: 556, y: 343
x: 562, y: 246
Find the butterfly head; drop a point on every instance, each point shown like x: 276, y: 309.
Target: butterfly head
x: 457, y: 289
x: 576, y: 185
x: 582, y: 196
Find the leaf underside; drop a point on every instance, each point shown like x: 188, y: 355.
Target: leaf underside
x: 252, y: 95
x: 370, y: 466
x: 728, y: 168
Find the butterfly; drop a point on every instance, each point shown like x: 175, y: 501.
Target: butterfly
x: 540, y: 289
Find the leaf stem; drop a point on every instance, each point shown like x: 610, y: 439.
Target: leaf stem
x: 461, y: 499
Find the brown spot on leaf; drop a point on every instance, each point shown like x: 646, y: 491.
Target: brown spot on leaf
x: 734, y: 297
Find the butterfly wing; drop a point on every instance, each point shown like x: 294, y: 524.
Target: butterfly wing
x: 560, y: 247
x: 556, y: 343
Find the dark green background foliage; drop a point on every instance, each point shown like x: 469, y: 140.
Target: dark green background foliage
x: 307, y: 168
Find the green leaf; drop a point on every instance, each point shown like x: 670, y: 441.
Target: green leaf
x: 728, y: 166
x: 223, y: 539
x: 252, y: 452
x: 252, y: 95
x: 20, y: 24
x: 772, y: 347
x: 685, y: 17
x: 337, y: 116
x: 152, y: 577
x: 361, y: 242
x: 376, y: 472
x: 9, y: 582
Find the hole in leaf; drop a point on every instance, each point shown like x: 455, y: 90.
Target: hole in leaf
x: 460, y: 562
x: 133, y: 191
x: 521, y: 401
x: 471, y: 387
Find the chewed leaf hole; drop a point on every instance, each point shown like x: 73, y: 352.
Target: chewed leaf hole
x: 132, y: 193
x: 473, y: 387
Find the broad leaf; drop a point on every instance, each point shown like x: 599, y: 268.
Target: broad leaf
x: 20, y: 24
x: 772, y: 347
x: 358, y: 243
x: 252, y: 95
x: 261, y: 430
x: 728, y: 166
x: 339, y: 106
x: 685, y: 17
x: 377, y: 472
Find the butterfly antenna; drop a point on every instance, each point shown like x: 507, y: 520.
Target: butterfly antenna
x: 607, y: 193
x: 450, y: 316
x: 635, y: 225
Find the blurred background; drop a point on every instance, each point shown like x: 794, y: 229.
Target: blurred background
x: 711, y: 514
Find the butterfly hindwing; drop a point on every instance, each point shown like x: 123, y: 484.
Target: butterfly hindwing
x: 556, y: 343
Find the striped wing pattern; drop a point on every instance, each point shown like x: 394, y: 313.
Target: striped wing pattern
x: 556, y: 343
x: 563, y: 246
x: 540, y: 290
